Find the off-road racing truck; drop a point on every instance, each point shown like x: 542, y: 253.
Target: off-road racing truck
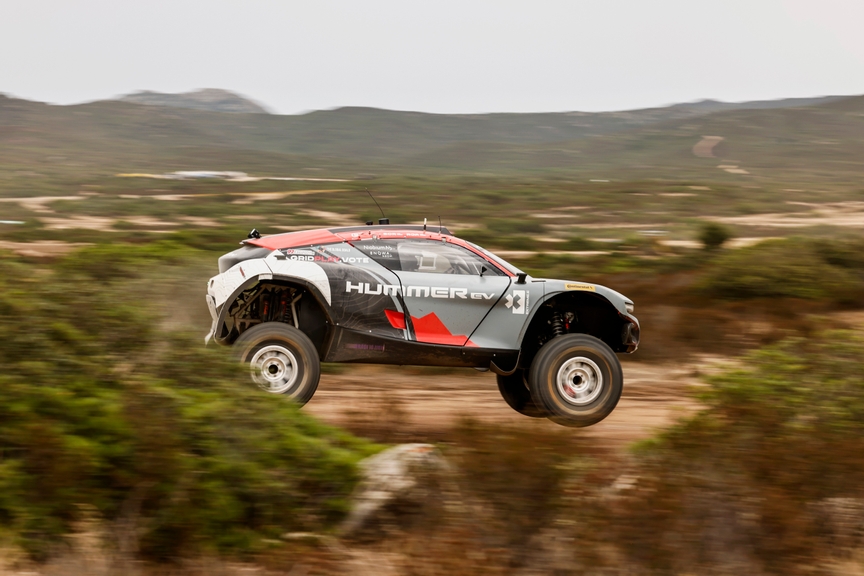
x: 410, y: 295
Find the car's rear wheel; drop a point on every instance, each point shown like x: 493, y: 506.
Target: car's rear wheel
x: 514, y: 390
x: 576, y: 379
x: 281, y: 360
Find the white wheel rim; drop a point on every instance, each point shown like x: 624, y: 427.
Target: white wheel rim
x: 579, y: 381
x: 274, y: 369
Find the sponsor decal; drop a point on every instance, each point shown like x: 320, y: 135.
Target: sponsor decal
x: 374, y: 347
x: 583, y: 287
x: 378, y: 250
x: 517, y: 301
x: 416, y: 291
x: 298, y: 251
x: 310, y: 256
x: 366, y: 288
x: 338, y: 248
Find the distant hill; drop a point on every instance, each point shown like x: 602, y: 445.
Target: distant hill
x: 210, y: 99
x: 708, y: 106
x: 778, y: 140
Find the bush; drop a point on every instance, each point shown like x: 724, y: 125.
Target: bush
x: 779, y: 438
x: 845, y: 253
x: 713, y: 235
x: 98, y: 409
x: 791, y: 268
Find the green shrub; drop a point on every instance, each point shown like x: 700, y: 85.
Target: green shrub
x: 99, y: 409
x: 521, y: 473
x: 779, y: 436
x: 578, y: 243
x: 844, y: 253
x: 511, y: 226
x: 791, y: 268
x: 713, y: 235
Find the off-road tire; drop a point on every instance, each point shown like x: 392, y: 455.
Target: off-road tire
x: 576, y: 379
x: 514, y: 390
x: 281, y: 360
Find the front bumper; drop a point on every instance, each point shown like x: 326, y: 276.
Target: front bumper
x: 630, y: 336
x: 214, y: 313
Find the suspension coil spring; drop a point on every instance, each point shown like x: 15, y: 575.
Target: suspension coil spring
x: 285, y: 314
x: 557, y: 324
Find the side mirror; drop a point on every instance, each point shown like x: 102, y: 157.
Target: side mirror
x: 483, y: 270
x: 520, y: 278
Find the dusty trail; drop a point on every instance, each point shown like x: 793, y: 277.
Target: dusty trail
x: 423, y: 405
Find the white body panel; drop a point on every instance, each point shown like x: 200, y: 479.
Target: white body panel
x: 221, y: 286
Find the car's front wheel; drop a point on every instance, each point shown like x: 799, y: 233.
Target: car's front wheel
x: 514, y: 390
x: 576, y: 379
x: 281, y: 360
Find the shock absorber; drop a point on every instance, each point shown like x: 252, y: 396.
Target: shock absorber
x: 557, y: 324
x: 285, y: 307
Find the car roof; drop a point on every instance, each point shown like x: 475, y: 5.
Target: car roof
x: 346, y: 233
x: 358, y: 233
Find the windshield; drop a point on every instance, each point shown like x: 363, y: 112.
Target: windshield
x: 497, y: 259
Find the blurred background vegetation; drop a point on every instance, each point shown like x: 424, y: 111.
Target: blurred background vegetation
x: 104, y: 408
x: 745, y: 246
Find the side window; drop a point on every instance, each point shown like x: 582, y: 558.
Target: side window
x: 382, y: 251
x: 441, y: 258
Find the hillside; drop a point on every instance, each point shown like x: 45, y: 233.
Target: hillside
x: 822, y: 142
x: 823, y: 138
x: 210, y: 99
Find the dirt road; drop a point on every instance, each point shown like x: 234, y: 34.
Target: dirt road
x: 422, y: 404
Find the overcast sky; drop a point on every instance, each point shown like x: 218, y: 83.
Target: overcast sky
x: 435, y: 56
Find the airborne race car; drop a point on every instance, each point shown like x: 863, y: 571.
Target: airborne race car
x: 411, y: 296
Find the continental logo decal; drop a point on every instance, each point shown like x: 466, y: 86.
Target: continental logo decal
x: 582, y: 287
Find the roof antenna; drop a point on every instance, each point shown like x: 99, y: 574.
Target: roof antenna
x: 424, y: 224
x: 440, y: 226
x: 383, y: 219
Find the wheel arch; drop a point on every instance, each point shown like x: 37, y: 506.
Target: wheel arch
x: 597, y: 316
x: 322, y: 308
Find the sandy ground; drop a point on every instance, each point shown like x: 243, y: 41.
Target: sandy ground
x: 845, y: 214
x: 705, y: 147
x: 39, y: 204
x: 229, y: 177
x: 428, y: 404
x: 551, y: 215
x: 250, y: 197
x: 200, y: 221
x: 733, y: 243
x: 84, y: 222
x: 732, y: 169
x: 338, y: 219
x: 41, y: 248
x: 530, y: 253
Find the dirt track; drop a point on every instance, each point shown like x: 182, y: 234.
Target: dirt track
x: 423, y: 405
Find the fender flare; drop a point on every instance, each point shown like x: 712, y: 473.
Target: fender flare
x: 549, y: 296
x: 271, y: 278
